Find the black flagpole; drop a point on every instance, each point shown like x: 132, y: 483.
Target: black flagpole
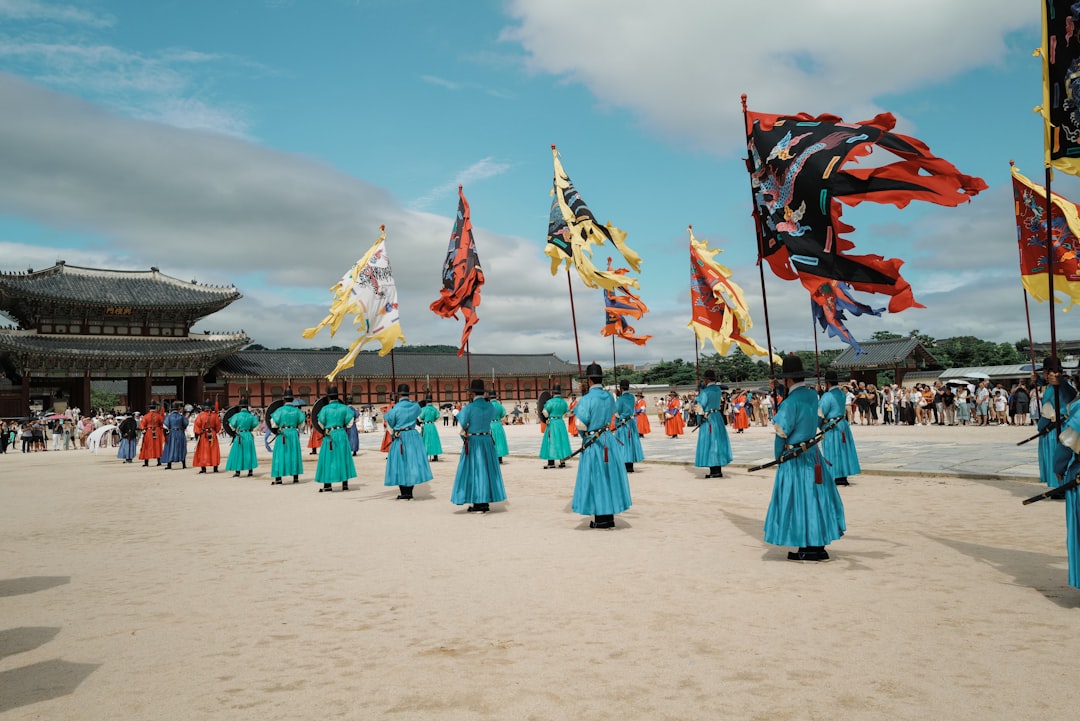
x: 761, y: 253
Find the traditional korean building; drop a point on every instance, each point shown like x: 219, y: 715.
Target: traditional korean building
x: 899, y: 356
x: 77, y: 325
x: 262, y: 375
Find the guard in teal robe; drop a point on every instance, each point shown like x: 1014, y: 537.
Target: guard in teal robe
x: 406, y: 459
x: 242, y: 452
x: 1056, y: 385
x: 805, y: 510
x: 288, y: 458
x: 713, y: 450
x: 601, y: 488
x: 626, y: 432
x: 838, y: 446
x: 555, y: 445
x: 429, y: 415
x: 335, y: 455
x: 498, y: 433
x: 478, y: 480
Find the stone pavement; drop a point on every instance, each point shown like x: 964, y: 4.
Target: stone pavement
x: 964, y: 451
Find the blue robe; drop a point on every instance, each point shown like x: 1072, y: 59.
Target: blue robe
x: 335, y: 455
x: 406, y: 461
x: 175, y: 448
x: 288, y: 458
x: 353, y: 433
x: 242, y: 452
x: 555, y: 445
x: 1067, y: 464
x: 478, y: 478
x: 1048, y: 443
x: 129, y: 442
x: 601, y: 487
x: 713, y: 444
x: 838, y: 447
x: 626, y: 433
x: 803, y: 511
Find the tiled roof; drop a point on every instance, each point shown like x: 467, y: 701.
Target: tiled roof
x: 319, y: 363
x: 883, y: 354
x: 29, y: 342
x: 134, y: 288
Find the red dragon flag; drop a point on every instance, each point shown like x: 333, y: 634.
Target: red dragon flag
x: 368, y: 292
x: 619, y: 304
x: 572, y: 229
x: 1061, y: 96
x: 461, y: 275
x: 720, y: 313
x: 1031, y: 235
x: 798, y: 176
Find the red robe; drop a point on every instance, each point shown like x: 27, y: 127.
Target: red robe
x: 152, y: 425
x: 642, y: 416
x: 571, y: 420
x: 207, y: 444
x: 673, y: 422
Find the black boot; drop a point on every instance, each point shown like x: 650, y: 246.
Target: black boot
x: 344, y: 485
x: 168, y: 466
x: 250, y: 474
x: 607, y: 521
x: 183, y: 464
x: 145, y: 464
x: 550, y: 464
x: 405, y: 493
x: 296, y: 479
x: 276, y: 481
x: 478, y: 508
x: 500, y: 460
x: 215, y: 469
x: 629, y: 467
x: 326, y: 488
x: 715, y: 472
x: 236, y: 475
x: 202, y: 470
x: 842, y: 481
x: 434, y: 459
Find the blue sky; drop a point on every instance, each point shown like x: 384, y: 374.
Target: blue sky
x: 263, y: 142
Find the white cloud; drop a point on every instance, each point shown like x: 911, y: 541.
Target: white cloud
x: 681, y: 68
x: 32, y: 10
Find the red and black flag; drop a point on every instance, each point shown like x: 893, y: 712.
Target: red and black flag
x: 796, y: 165
x: 1061, y: 84
x: 462, y: 275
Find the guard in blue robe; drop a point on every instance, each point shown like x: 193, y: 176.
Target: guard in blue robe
x: 1056, y: 384
x: 335, y: 455
x: 1067, y: 467
x: 129, y: 439
x: 498, y: 433
x: 478, y: 480
x: 406, y: 460
x: 626, y: 431
x: 175, y: 449
x: 838, y: 446
x: 353, y: 432
x: 713, y: 445
x: 601, y: 488
x: 242, y: 451
x: 805, y: 510
x: 288, y: 454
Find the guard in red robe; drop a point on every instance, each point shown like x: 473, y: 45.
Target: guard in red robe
x: 153, y: 427
x: 207, y: 444
x: 673, y: 422
x: 641, y: 415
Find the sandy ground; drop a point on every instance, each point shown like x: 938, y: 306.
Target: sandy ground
x: 131, y: 593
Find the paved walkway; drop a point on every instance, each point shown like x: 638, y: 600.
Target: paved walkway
x: 964, y: 451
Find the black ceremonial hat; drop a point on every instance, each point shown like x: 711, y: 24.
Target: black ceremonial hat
x: 624, y: 384
x: 830, y: 376
x: 793, y: 368
x: 403, y: 389
x: 593, y: 370
x: 477, y: 385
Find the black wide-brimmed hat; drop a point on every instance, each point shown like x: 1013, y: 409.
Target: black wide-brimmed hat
x: 287, y: 395
x: 403, y: 389
x: 831, y: 377
x: 624, y: 384
x: 477, y: 385
x: 243, y: 403
x: 593, y: 370
x: 710, y: 375
x: 331, y: 392
x: 1051, y: 364
x: 556, y: 389
x: 793, y: 368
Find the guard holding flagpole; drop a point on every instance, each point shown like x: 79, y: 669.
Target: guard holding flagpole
x: 478, y: 480
x: 713, y: 449
x: 805, y: 510
x: 838, y: 446
x: 626, y: 431
x: 406, y: 459
x: 602, y: 488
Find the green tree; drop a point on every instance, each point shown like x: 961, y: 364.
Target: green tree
x: 885, y: 335
x: 104, y: 399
